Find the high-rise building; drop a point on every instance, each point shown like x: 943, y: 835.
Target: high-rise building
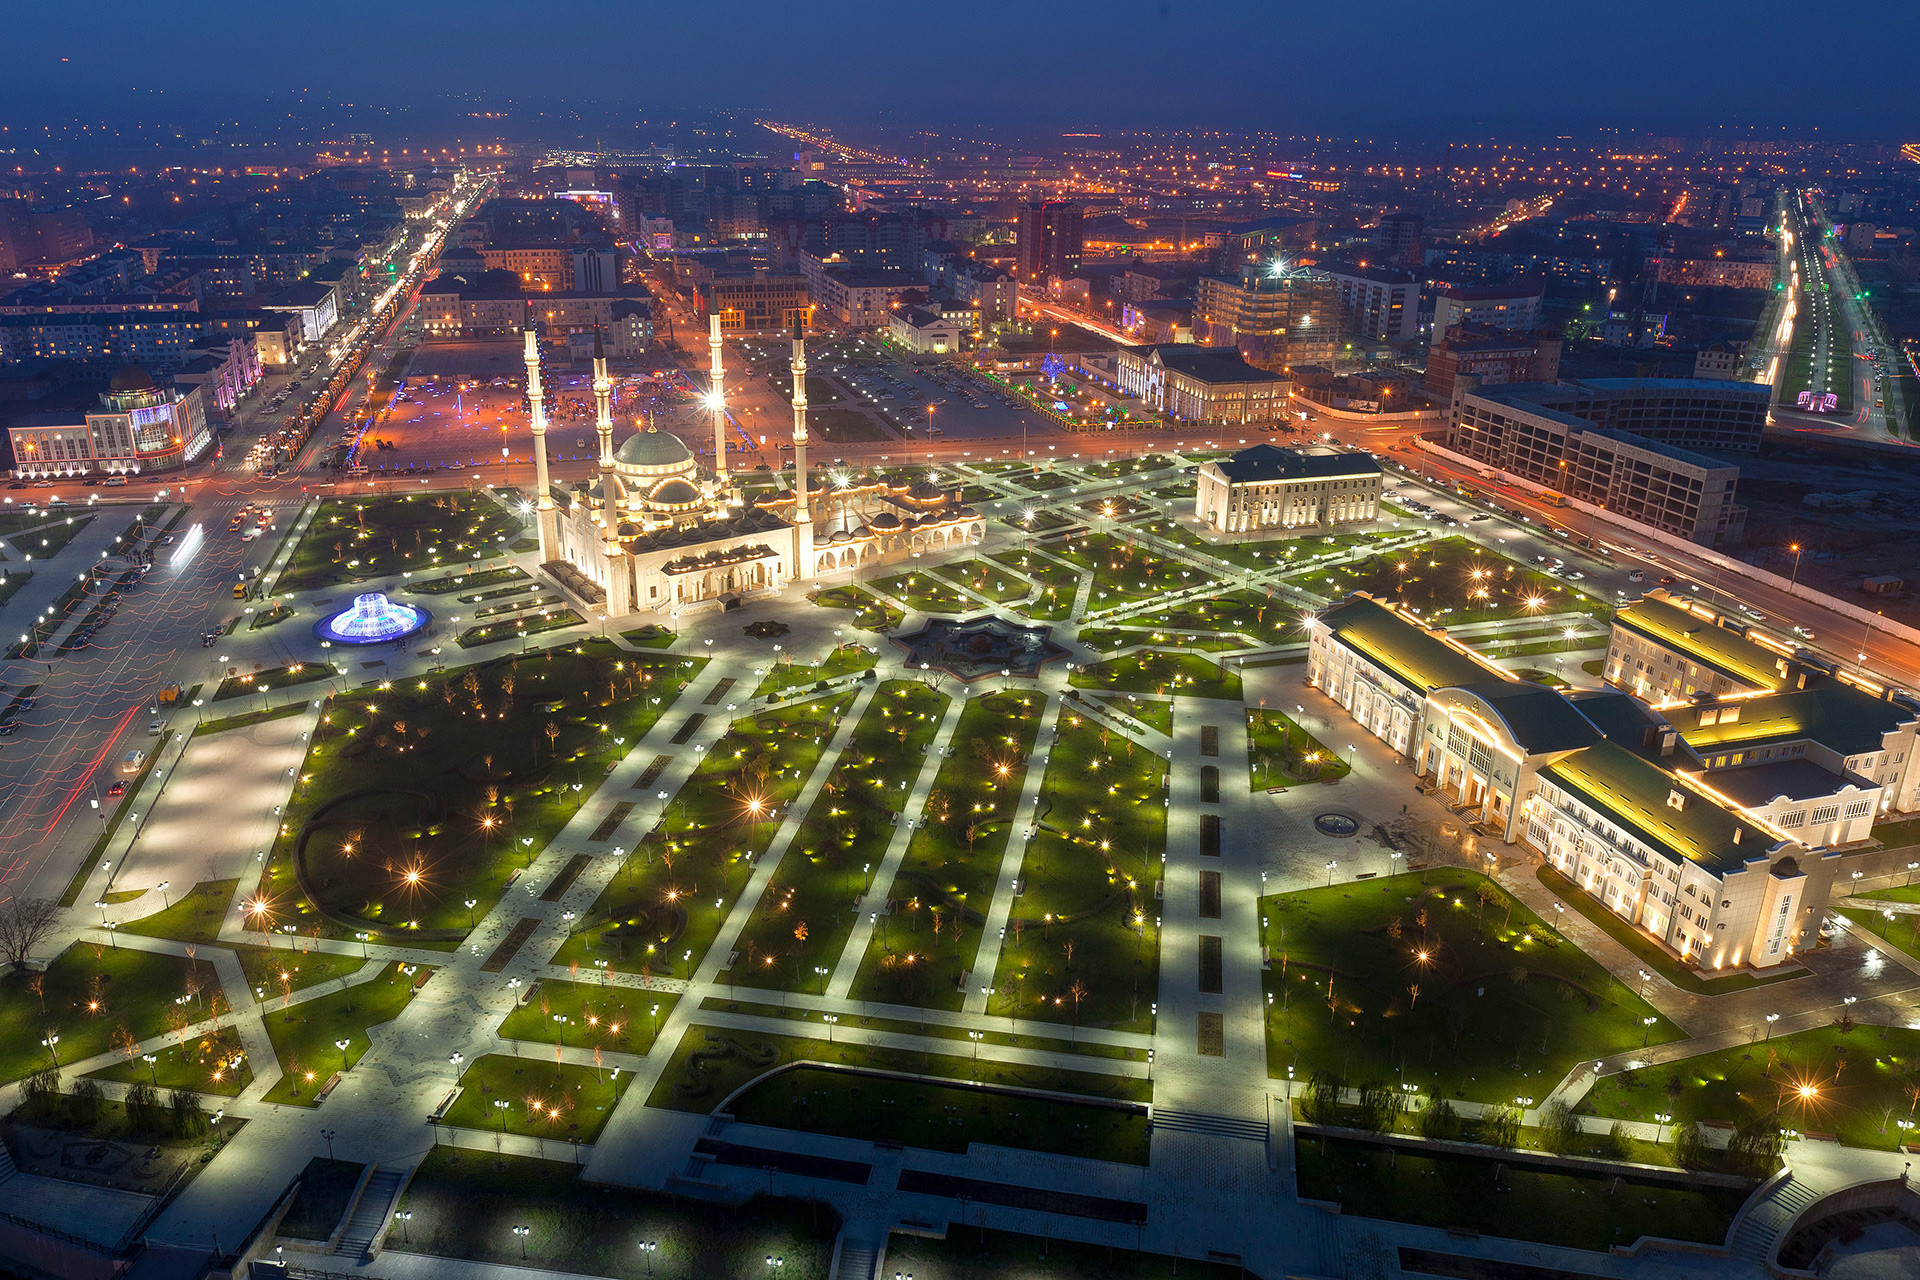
x: 1277, y: 316
x: 1050, y: 241
x: 1399, y: 238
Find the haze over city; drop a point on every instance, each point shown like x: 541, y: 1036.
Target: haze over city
x: 1183, y: 638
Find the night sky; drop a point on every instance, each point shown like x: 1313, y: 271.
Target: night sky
x: 1379, y: 68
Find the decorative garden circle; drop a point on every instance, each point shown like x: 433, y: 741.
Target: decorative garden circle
x: 1336, y: 824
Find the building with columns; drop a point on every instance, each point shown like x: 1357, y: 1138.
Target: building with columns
x: 654, y: 531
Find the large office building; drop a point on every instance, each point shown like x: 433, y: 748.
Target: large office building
x: 140, y: 428
x: 1601, y: 786
x: 1201, y: 384
x: 1049, y: 241
x: 757, y: 301
x: 1277, y: 316
x: 1494, y: 356
x: 1625, y: 444
x: 1287, y: 491
x: 1495, y: 306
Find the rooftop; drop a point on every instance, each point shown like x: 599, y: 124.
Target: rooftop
x: 1208, y: 364
x: 1270, y: 462
x: 1712, y: 645
x: 1635, y: 793
x: 1541, y: 719
x: 1758, y: 785
x: 1838, y: 716
x: 1420, y: 658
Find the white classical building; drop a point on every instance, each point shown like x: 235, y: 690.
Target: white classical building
x: 1726, y: 866
x: 1287, y: 491
x: 655, y: 531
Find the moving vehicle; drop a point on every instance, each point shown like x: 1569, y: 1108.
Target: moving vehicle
x: 131, y: 762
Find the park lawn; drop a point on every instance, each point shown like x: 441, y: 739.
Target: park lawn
x: 1500, y: 1007
x: 801, y: 924
x: 1487, y: 1194
x: 589, y: 1015
x: 1282, y: 754
x: 1898, y: 835
x: 1125, y: 573
x: 49, y: 538
x: 788, y: 674
x: 1249, y: 612
x: 1160, y: 673
x: 1116, y: 468
x: 1029, y: 520
x: 1650, y: 952
x: 938, y: 1030
x: 924, y: 592
x: 465, y: 1204
x: 709, y: 1064
x: 986, y: 578
x: 1897, y: 929
x: 977, y: 1253
x: 352, y: 539
x: 952, y: 863
x: 1112, y: 639
x: 195, y: 916
x: 940, y: 1117
x: 1055, y: 584
x: 1155, y: 713
x: 651, y: 636
x: 551, y: 617
x: 305, y: 1035
x: 1043, y: 481
x: 1078, y: 948
x: 1860, y: 1082
x: 676, y: 888
x: 214, y: 1062
x: 546, y: 1099
x: 274, y: 678
x: 1269, y: 553
x: 93, y: 997
x: 1451, y: 582
x: 276, y: 971
x: 869, y: 612
x: 415, y: 798
x: 1113, y: 507
x: 462, y: 579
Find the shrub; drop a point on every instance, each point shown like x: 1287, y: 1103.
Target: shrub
x: 1559, y: 1128
x: 1689, y: 1147
x: 1439, y: 1120
x: 145, y: 1115
x: 1619, y: 1142
x: 85, y: 1102
x: 1500, y: 1127
x: 189, y: 1121
x: 1378, y: 1106
x: 1755, y: 1148
x: 1322, y: 1103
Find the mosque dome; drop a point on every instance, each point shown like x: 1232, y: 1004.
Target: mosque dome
x: 653, y: 450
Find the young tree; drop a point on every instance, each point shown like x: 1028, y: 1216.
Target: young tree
x: 24, y: 924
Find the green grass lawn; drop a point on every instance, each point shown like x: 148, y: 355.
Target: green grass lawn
x: 1079, y: 948
x: 869, y: 612
x: 946, y: 881
x: 976, y: 1253
x: 465, y: 1204
x: 93, y: 998
x: 545, y: 1098
x: 1119, y: 468
x: 550, y: 618
x: 1266, y: 553
x: 925, y: 592
x: 274, y: 678
x: 651, y: 636
x: 464, y: 579
x: 305, y: 1035
x: 1023, y: 1039
x: 415, y: 798
x: 1897, y: 929
x: 1123, y: 572
x: 276, y: 971
x: 678, y: 885
x: 50, y: 537
x: 1159, y: 673
x: 709, y: 1064
x: 590, y: 1015
x: 214, y: 1063
x: 1249, y: 612
x: 940, y: 1117
x: 1650, y: 952
x: 195, y: 916
x: 1111, y: 639
x: 987, y: 578
x: 801, y: 924
x: 1451, y: 582
x: 1576, y: 1210
x: 1858, y: 1085
x: 1412, y: 977
x: 353, y: 539
x: 1029, y: 520
x: 1282, y: 754
x: 1155, y: 713
x: 796, y: 671
x: 1054, y: 584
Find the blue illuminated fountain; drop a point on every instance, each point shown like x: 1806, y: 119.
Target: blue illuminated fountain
x: 373, y: 619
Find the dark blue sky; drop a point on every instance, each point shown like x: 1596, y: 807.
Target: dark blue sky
x: 1382, y: 68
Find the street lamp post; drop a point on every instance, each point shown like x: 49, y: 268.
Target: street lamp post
x: 406, y: 1216
x: 1771, y: 1019
x: 523, y: 1233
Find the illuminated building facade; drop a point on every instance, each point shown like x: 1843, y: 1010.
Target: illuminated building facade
x: 140, y: 428
x: 1286, y: 491
x: 1276, y: 316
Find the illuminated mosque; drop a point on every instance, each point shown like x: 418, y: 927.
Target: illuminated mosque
x: 656, y: 531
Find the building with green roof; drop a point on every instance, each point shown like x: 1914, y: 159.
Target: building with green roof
x: 1664, y: 651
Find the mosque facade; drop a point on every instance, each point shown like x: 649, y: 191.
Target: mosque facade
x: 654, y: 531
